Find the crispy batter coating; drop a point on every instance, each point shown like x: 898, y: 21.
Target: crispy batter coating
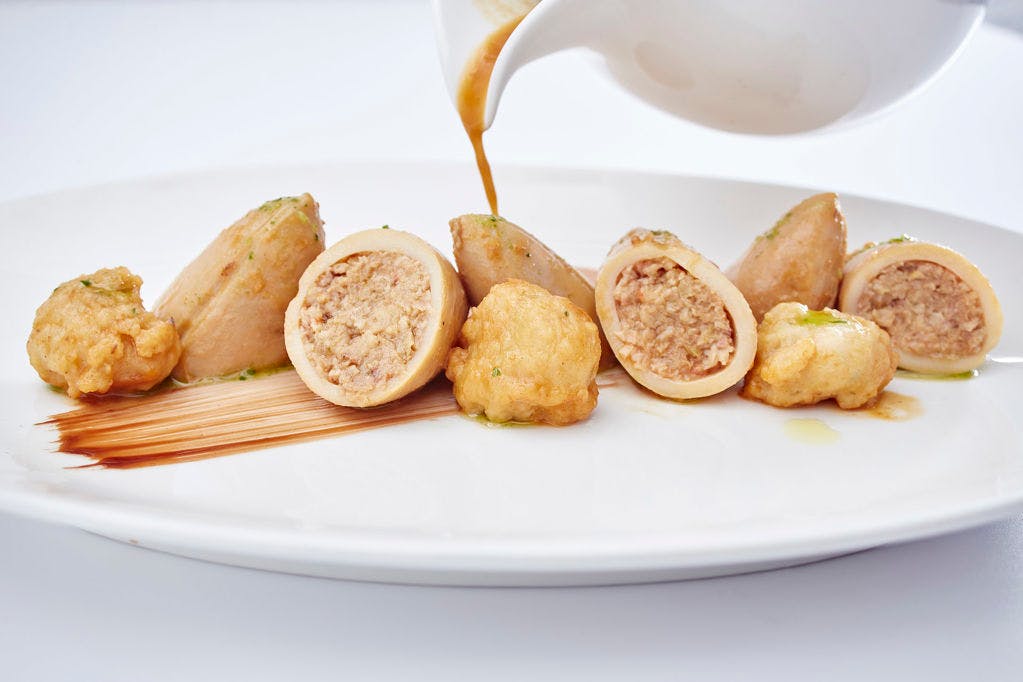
x: 92, y: 335
x: 490, y: 249
x: 526, y: 355
x: 805, y: 356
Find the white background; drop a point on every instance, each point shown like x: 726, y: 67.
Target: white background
x: 94, y: 92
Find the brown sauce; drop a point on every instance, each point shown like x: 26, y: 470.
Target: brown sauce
x: 472, y: 100
x: 200, y: 422
x: 894, y: 407
x: 210, y: 420
x: 890, y: 406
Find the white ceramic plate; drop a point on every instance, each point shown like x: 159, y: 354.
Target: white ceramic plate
x: 644, y: 490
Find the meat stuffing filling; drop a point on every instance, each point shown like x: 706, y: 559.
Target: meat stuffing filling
x: 672, y: 324
x: 364, y: 318
x: 926, y: 308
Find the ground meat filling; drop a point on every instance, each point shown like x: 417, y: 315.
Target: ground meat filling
x: 672, y: 324
x: 926, y: 308
x: 364, y: 318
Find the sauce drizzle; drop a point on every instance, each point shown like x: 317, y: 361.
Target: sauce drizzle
x: 472, y: 100
x: 893, y: 407
x: 199, y: 422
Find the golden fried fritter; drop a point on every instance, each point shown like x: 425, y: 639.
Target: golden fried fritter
x: 526, y: 355
x: 92, y: 335
x: 805, y: 356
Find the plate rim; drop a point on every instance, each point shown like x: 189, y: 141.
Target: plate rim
x: 465, y: 166
x: 399, y: 549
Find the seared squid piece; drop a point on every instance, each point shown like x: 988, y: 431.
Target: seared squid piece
x: 489, y: 250
x: 675, y: 322
x: 374, y: 318
x: 799, y: 259
x: 228, y: 304
x: 941, y: 312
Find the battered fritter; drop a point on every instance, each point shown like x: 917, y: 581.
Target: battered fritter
x: 805, y: 356
x: 92, y: 335
x: 489, y: 249
x: 526, y: 355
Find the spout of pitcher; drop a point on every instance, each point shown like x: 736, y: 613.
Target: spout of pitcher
x: 463, y: 26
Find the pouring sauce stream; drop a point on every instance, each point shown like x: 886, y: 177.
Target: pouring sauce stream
x: 472, y: 100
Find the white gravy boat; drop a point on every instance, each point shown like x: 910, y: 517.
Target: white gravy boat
x: 750, y: 66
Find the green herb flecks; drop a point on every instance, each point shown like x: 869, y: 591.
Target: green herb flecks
x: 271, y: 205
x: 959, y: 376
x: 820, y: 318
x: 243, y: 375
x: 496, y: 372
x: 773, y: 232
x: 86, y: 283
x: 482, y: 420
x: 894, y: 240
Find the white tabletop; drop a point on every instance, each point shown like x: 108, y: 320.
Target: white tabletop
x: 95, y: 92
